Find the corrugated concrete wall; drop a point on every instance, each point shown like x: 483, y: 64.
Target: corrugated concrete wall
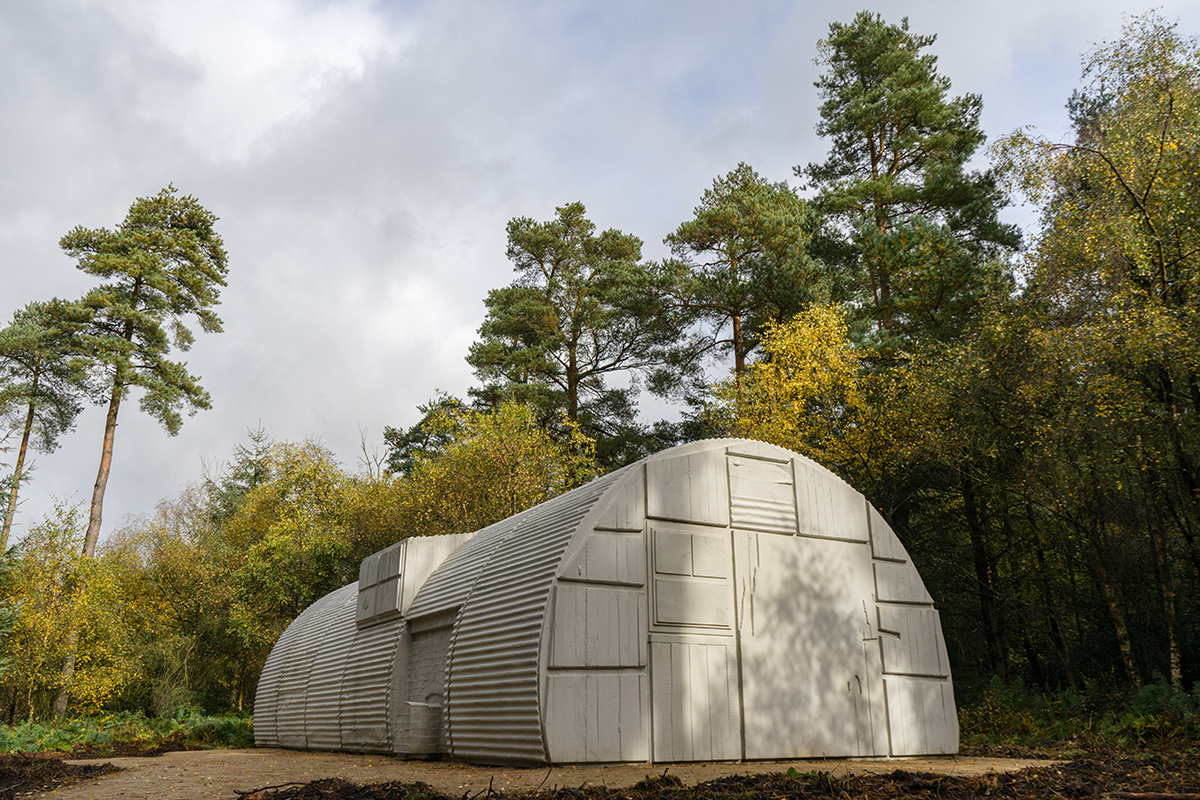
x: 448, y: 586
x: 322, y: 729
x: 282, y: 699
x: 493, y: 709
x: 596, y: 686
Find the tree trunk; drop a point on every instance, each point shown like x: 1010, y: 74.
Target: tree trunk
x: 884, y: 297
x: 1167, y: 589
x: 885, y: 300
x: 12, y: 495
x: 1056, y: 628
x: 997, y: 654
x: 67, y: 673
x: 1181, y: 520
x: 110, y: 430
x: 1052, y: 616
x: 1031, y: 655
x: 91, y: 537
x: 572, y: 384
x: 1154, y: 523
x: 1185, y: 467
x: 739, y: 356
x: 1120, y: 628
x: 241, y: 686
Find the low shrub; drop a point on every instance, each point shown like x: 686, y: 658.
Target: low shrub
x: 1156, y: 715
x: 128, y: 732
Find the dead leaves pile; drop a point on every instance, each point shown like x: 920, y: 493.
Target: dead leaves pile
x: 1115, y: 776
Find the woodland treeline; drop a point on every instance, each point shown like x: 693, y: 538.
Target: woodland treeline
x: 1023, y: 413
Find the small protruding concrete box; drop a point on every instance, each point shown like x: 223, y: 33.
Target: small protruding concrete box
x: 722, y: 600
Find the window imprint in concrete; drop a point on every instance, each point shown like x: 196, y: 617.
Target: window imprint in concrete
x: 762, y: 495
x: 691, y: 579
x: 379, y: 586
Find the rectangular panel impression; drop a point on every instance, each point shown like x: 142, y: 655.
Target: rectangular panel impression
x: 884, y: 543
x: 912, y: 641
x: 672, y: 552
x: 608, y: 558
x: 598, y: 626
x: 899, y: 583
x: 762, y: 495
x: 800, y: 604
x: 686, y: 602
x: 691, y: 579
x: 921, y: 717
x: 379, y: 586
x: 695, y: 711
x: 829, y: 507
x: 597, y: 717
x: 691, y: 488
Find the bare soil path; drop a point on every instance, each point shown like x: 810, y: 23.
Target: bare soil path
x: 197, y: 774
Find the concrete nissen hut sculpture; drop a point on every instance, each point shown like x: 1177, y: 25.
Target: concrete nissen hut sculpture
x: 725, y: 599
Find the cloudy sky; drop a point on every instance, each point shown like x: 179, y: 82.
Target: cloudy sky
x: 364, y: 157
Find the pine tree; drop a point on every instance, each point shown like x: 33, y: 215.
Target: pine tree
x: 163, y: 263
x: 746, y: 261
x: 43, y: 380
x: 584, y: 307
x: 917, y: 241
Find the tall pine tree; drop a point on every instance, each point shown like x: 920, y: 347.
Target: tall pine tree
x: 746, y: 261
x: 163, y: 263
x: 916, y: 237
x: 583, y: 308
x: 43, y: 380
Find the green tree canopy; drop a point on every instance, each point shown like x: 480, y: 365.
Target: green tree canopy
x: 494, y: 463
x: 440, y: 424
x: 747, y: 262
x: 583, y: 307
x: 43, y: 381
x: 287, y: 544
x: 1114, y: 281
x: 250, y: 466
x: 917, y: 240
x: 163, y: 263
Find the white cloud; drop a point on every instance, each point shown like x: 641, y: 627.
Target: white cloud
x: 365, y: 157
x: 232, y: 73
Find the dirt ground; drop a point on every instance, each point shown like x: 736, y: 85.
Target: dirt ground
x: 192, y: 775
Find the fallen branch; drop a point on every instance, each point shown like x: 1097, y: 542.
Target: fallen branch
x: 256, y: 794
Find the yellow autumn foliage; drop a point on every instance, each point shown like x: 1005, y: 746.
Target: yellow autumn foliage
x: 803, y: 391
x: 499, y: 462
x: 57, y: 591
